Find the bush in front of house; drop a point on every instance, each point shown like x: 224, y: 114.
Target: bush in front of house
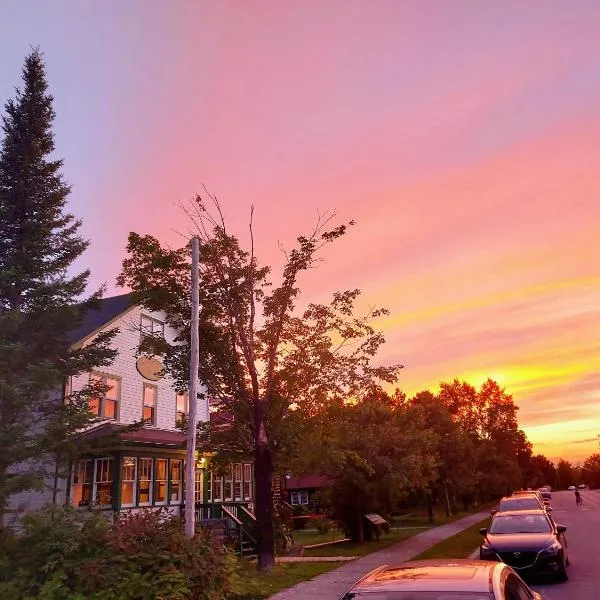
x: 66, y: 554
x: 322, y: 525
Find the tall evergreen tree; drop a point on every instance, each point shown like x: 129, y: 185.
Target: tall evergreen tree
x: 40, y: 301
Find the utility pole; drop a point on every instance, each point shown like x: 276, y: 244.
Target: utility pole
x: 190, y: 455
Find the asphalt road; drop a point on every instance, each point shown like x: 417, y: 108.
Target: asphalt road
x: 583, y: 539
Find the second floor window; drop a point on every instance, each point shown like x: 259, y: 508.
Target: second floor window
x: 149, y: 408
x: 105, y: 405
x: 181, y: 400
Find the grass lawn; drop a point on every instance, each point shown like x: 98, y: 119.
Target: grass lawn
x: 460, y: 545
x: 306, y: 537
x: 419, y: 518
x: 349, y: 549
x: 255, y: 585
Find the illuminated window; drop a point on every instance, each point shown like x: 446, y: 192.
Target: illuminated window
x: 149, y: 408
x: 160, y: 481
x: 145, y: 481
x: 175, y: 492
x: 105, y: 405
x: 103, y: 482
x: 81, y: 483
x: 128, y: 480
x: 198, y: 487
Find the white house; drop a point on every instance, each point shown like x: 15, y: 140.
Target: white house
x: 121, y: 469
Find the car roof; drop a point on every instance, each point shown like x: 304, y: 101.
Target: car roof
x: 526, y: 512
x: 431, y: 575
x: 520, y: 497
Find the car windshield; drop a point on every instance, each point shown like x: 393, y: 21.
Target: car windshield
x: 520, y: 524
x: 519, y: 503
x: 416, y: 595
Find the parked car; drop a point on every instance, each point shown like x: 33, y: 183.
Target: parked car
x: 571, y: 488
x: 529, y: 541
x: 442, y: 579
x: 581, y: 486
x: 521, y: 502
x: 536, y: 493
x: 546, y: 495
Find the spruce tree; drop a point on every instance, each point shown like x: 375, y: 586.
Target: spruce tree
x: 40, y: 299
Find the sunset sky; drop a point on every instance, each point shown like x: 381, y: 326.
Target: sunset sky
x: 462, y: 136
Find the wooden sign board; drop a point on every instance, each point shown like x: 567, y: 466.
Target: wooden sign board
x: 376, y: 519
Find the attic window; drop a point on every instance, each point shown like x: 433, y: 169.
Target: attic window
x: 151, y: 327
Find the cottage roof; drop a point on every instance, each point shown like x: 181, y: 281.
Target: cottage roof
x: 94, y: 319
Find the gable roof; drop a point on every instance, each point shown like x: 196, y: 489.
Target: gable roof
x: 108, y: 309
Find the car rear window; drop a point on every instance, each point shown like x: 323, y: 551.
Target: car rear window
x: 519, y: 504
x: 519, y: 524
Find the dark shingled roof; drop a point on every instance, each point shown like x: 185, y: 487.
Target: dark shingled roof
x: 108, y: 309
x: 307, y: 481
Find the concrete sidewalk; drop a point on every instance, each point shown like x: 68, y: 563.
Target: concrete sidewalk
x: 331, y: 585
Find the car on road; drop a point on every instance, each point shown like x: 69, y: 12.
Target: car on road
x: 543, y: 500
x: 449, y: 579
x: 522, y: 502
x: 581, y: 486
x: 571, y: 488
x: 546, y: 495
x: 527, y: 540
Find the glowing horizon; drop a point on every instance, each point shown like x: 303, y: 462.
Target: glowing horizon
x: 462, y: 138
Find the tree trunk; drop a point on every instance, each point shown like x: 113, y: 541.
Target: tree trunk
x: 447, y: 502
x: 263, y: 474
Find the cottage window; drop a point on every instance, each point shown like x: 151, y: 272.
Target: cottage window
x: 81, y: 483
x: 198, y: 486
x: 104, y: 481
x: 217, y: 488
x: 145, y: 481
x: 160, y: 482
x: 299, y: 497
x: 149, y: 408
x: 151, y: 327
x: 175, y: 493
x: 209, y: 488
x: 181, y: 402
x: 106, y: 404
x: 228, y: 484
x: 248, y: 481
x: 128, y: 480
x: 237, y: 481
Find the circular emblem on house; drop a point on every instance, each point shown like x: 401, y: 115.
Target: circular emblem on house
x: 149, y: 368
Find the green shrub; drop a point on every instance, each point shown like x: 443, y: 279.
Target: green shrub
x: 67, y: 554
x: 322, y: 525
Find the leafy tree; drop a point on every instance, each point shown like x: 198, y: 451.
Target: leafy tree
x: 38, y: 297
x: 376, y: 452
x: 541, y: 472
x: 565, y: 473
x: 591, y: 471
x: 261, y: 358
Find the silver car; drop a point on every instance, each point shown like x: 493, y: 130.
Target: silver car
x: 449, y: 579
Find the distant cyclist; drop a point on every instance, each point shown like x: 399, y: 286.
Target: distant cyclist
x: 578, y: 498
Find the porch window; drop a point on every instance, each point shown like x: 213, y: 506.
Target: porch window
x: 198, y: 486
x: 105, y: 405
x: 81, y: 483
x: 145, y: 481
x: 104, y: 481
x: 299, y: 497
x: 181, y: 402
x: 160, y: 482
x: 128, y: 480
x: 217, y: 488
x: 175, y: 482
x: 149, y: 409
x: 237, y: 481
x: 248, y: 481
x: 228, y: 484
x: 209, y: 487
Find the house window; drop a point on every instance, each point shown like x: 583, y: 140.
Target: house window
x: 81, y: 483
x: 175, y: 492
x: 145, y: 481
x: 299, y: 497
x: 228, y: 484
x: 160, y: 481
x: 181, y: 401
x: 248, y: 481
x: 151, y: 327
x: 149, y: 408
x: 128, y: 480
x: 198, y: 486
x: 217, y: 488
x: 237, y: 481
x: 209, y: 481
x: 104, y: 481
x: 105, y: 405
